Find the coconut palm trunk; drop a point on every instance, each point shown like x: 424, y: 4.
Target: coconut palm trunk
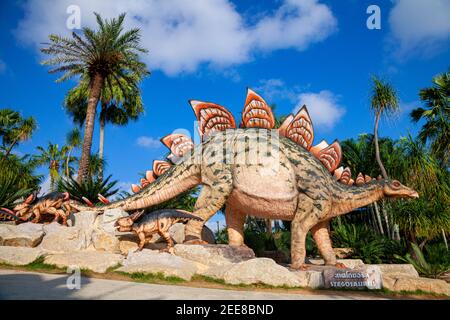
x: 377, y: 147
x: 101, y: 144
x: 94, y: 96
x: 67, y: 162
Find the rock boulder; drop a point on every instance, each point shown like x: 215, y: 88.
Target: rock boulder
x: 92, y: 260
x: 260, y: 270
x: 214, y: 255
x: 150, y: 261
x: 19, y: 256
x: 412, y: 283
x: 23, y: 235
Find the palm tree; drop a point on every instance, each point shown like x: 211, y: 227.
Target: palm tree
x: 120, y: 103
x: 73, y: 141
x: 103, y: 54
x: 96, y: 166
x: 52, y: 157
x: 14, y: 128
x: 429, y: 216
x: 384, y: 101
x: 436, y: 129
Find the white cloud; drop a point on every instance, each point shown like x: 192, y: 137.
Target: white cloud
x: 273, y: 89
x: 182, y: 35
x: 323, y: 108
x: 296, y: 24
x: 148, y: 142
x: 419, y: 27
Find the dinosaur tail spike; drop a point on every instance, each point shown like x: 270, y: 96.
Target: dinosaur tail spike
x: 135, y: 188
x: 88, y: 202
x: 367, y: 179
x: 103, y: 199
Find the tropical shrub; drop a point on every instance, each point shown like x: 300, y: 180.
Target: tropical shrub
x: 89, y: 188
x: 367, y: 245
x: 424, y: 267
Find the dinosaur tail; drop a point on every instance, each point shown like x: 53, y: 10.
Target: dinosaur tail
x: 6, y: 214
x: 176, y: 180
x: 177, y: 214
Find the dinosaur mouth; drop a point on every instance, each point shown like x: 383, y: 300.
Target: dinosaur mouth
x: 414, y: 195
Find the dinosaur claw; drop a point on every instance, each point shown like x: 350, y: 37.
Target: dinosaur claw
x: 195, y: 241
x: 302, y: 267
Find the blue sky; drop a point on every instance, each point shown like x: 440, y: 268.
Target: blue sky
x: 291, y: 52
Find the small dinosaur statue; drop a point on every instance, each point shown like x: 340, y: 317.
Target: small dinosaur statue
x: 52, y: 203
x: 6, y: 214
x: 156, y: 222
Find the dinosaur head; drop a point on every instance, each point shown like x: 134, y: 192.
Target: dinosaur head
x: 22, y: 208
x: 394, y: 189
x: 125, y: 224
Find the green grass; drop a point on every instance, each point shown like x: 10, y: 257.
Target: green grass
x: 248, y: 286
x: 36, y: 265
x: 151, y: 277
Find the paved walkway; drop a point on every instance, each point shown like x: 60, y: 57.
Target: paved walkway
x: 32, y: 285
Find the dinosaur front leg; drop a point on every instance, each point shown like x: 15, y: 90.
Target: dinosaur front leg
x: 321, y: 235
x: 142, y: 241
x: 55, y: 212
x: 37, y: 216
x: 235, y: 224
x: 208, y: 203
x: 298, y: 244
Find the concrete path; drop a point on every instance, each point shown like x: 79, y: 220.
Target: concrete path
x: 31, y: 285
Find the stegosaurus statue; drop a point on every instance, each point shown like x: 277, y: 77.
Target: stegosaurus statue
x: 292, y: 179
x: 257, y: 113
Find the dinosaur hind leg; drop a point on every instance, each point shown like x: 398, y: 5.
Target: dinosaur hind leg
x: 321, y: 236
x: 235, y: 223
x: 166, y: 236
x: 210, y: 200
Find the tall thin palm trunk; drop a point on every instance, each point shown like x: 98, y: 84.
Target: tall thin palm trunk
x: 380, y: 224
x: 67, y: 162
x: 377, y: 147
x: 94, y: 96
x: 102, y: 141
x: 268, y: 226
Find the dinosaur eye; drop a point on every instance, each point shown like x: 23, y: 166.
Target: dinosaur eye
x: 396, y: 184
